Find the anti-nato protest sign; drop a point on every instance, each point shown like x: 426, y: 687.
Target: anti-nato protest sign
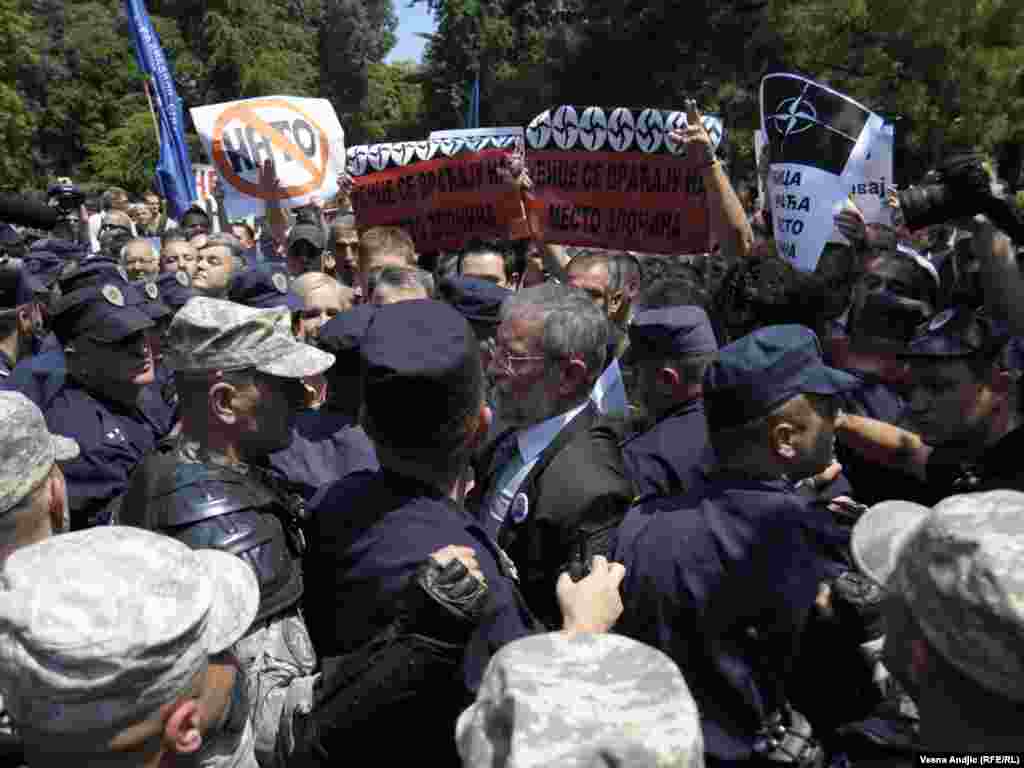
x: 819, y: 142
x: 610, y: 177
x: 302, y: 136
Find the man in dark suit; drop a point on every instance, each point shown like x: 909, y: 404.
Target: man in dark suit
x: 551, y: 485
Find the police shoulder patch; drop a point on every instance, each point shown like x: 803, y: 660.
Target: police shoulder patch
x: 113, y: 294
x: 152, y: 291
x: 280, y: 282
x: 182, y: 277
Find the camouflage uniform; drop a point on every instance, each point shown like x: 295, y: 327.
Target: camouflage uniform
x: 552, y: 699
x: 277, y: 656
x: 103, y: 627
x: 208, y: 336
x: 960, y: 570
x: 27, y: 454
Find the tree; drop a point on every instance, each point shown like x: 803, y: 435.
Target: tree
x: 355, y: 34
x: 16, y: 123
x: 127, y: 156
x: 954, y: 71
x: 394, y: 106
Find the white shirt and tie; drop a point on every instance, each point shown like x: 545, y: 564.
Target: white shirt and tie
x: 529, y: 444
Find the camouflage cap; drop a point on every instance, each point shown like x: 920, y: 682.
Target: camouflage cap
x: 959, y: 567
x: 554, y: 700
x: 216, y: 335
x: 101, y: 627
x: 27, y: 449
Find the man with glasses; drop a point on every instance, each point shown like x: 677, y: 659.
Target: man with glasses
x: 323, y: 298
x: 140, y: 260
x: 114, y: 233
x: 552, y: 485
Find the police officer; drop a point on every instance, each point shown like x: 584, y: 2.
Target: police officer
x: 328, y: 443
x: 20, y: 317
x: 424, y: 409
x: 670, y: 350
x: 107, y: 401
x: 964, y: 421
x: 115, y: 651
x: 264, y: 286
x: 171, y: 290
x: 238, y: 372
x: 723, y: 580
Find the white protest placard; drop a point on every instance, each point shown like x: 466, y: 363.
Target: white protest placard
x: 302, y: 136
x: 869, y: 191
x: 476, y: 139
x: 819, y: 142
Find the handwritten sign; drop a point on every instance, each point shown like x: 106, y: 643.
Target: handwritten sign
x: 610, y: 178
x: 302, y: 136
x: 443, y: 194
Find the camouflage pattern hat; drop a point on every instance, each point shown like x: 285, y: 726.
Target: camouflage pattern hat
x: 210, y: 335
x: 27, y: 449
x: 553, y: 700
x: 959, y: 567
x: 101, y: 627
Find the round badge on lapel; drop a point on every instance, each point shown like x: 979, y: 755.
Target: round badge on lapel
x: 520, y: 508
x: 940, y: 320
x: 152, y: 291
x: 113, y: 294
x: 182, y: 277
x: 280, y: 282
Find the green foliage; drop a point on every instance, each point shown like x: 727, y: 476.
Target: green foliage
x: 127, y: 156
x: 17, y: 124
x: 953, y: 70
x: 394, y: 106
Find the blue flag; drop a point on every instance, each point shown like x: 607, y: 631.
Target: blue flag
x: 473, y: 108
x: 174, y: 178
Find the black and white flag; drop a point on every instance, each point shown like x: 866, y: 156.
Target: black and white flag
x: 819, y: 141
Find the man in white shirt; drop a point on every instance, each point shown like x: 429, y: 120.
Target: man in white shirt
x: 552, y: 485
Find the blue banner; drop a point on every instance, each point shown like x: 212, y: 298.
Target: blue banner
x: 473, y: 106
x: 174, y: 178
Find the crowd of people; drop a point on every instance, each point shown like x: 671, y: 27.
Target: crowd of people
x: 294, y: 494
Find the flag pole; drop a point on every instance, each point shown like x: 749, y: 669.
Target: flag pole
x: 152, y: 111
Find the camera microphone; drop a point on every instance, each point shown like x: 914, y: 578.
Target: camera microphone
x: 25, y: 212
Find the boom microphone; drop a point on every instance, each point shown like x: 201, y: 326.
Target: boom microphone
x: 25, y: 212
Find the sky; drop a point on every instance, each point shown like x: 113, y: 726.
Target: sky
x: 411, y: 21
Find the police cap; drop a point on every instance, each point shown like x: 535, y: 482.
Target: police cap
x: 762, y: 370
x: 671, y: 332
x: 476, y: 300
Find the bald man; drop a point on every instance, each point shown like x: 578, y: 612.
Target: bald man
x: 322, y: 297
x: 140, y: 260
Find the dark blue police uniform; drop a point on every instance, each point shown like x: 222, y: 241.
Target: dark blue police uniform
x: 665, y: 459
x: 327, y: 444
x: 723, y: 579
x: 370, y: 532
x: 326, y: 447
x: 100, y: 303
x: 17, y: 288
x: 959, y: 334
